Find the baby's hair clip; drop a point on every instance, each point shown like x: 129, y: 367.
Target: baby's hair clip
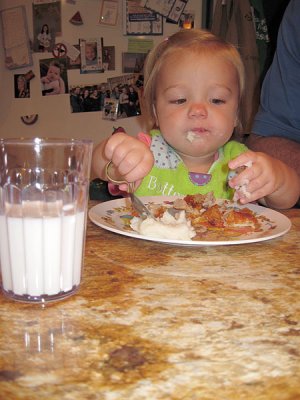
x: 166, y: 39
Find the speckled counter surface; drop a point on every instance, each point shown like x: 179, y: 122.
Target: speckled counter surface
x: 154, y: 321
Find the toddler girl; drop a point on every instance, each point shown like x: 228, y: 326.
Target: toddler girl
x: 193, y: 83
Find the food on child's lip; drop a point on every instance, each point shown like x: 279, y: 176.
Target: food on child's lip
x: 197, y: 217
x: 191, y: 136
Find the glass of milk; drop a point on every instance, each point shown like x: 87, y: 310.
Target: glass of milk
x: 44, y: 185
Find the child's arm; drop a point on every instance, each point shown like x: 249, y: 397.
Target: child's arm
x: 131, y: 157
x: 268, y: 179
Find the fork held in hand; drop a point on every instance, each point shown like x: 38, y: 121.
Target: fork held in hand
x: 137, y: 204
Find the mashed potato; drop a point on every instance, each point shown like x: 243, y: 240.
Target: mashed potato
x: 166, y: 227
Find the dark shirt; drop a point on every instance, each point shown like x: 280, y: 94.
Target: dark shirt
x: 279, y: 113
x: 76, y: 103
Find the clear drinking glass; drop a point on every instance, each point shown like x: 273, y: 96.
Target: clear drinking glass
x: 44, y: 185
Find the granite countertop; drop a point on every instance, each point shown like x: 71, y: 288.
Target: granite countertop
x: 156, y: 321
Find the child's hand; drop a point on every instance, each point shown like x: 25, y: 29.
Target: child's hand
x: 261, y: 177
x: 131, y: 157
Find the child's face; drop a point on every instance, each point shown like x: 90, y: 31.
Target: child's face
x: 196, y: 103
x: 53, y: 73
x: 90, y: 53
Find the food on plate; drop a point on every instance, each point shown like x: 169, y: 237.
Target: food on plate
x: 166, y: 226
x: 198, y: 217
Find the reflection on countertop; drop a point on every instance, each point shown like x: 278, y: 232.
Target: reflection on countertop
x: 155, y: 321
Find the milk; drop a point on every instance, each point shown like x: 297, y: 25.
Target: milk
x: 41, y: 255
x: 44, y: 186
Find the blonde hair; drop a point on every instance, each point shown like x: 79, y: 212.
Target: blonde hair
x: 196, y: 40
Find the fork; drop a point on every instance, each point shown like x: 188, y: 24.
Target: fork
x: 137, y: 204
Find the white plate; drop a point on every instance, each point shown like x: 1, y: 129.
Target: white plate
x: 113, y: 216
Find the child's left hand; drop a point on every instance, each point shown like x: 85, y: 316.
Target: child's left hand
x: 260, y: 177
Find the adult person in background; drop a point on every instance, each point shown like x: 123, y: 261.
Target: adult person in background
x: 76, y: 100
x: 44, y: 38
x: 22, y: 89
x: 86, y: 102
x: 115, y: 93
x: 94, y: 100
x: 102, y: 96
x: 233, y: 22
x: 124, y: 102
x: 133, y: 106
x: 276, y: 127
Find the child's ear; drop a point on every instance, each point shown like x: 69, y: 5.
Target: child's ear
x: 155, y: 114
x: 236, y: 121
x: 238, y: 127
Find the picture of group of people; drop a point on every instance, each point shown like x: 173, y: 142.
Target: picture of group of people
x: 88, y: 98
x: 120, y: 101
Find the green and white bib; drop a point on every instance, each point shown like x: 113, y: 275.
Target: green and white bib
x: 170, y: 177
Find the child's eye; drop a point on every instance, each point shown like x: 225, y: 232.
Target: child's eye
x: 217, y: 101
x: 178, y: 101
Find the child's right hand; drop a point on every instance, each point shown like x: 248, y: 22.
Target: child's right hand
x: 131, y: 157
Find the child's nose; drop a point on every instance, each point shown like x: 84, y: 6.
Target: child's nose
x: 198, y: 110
